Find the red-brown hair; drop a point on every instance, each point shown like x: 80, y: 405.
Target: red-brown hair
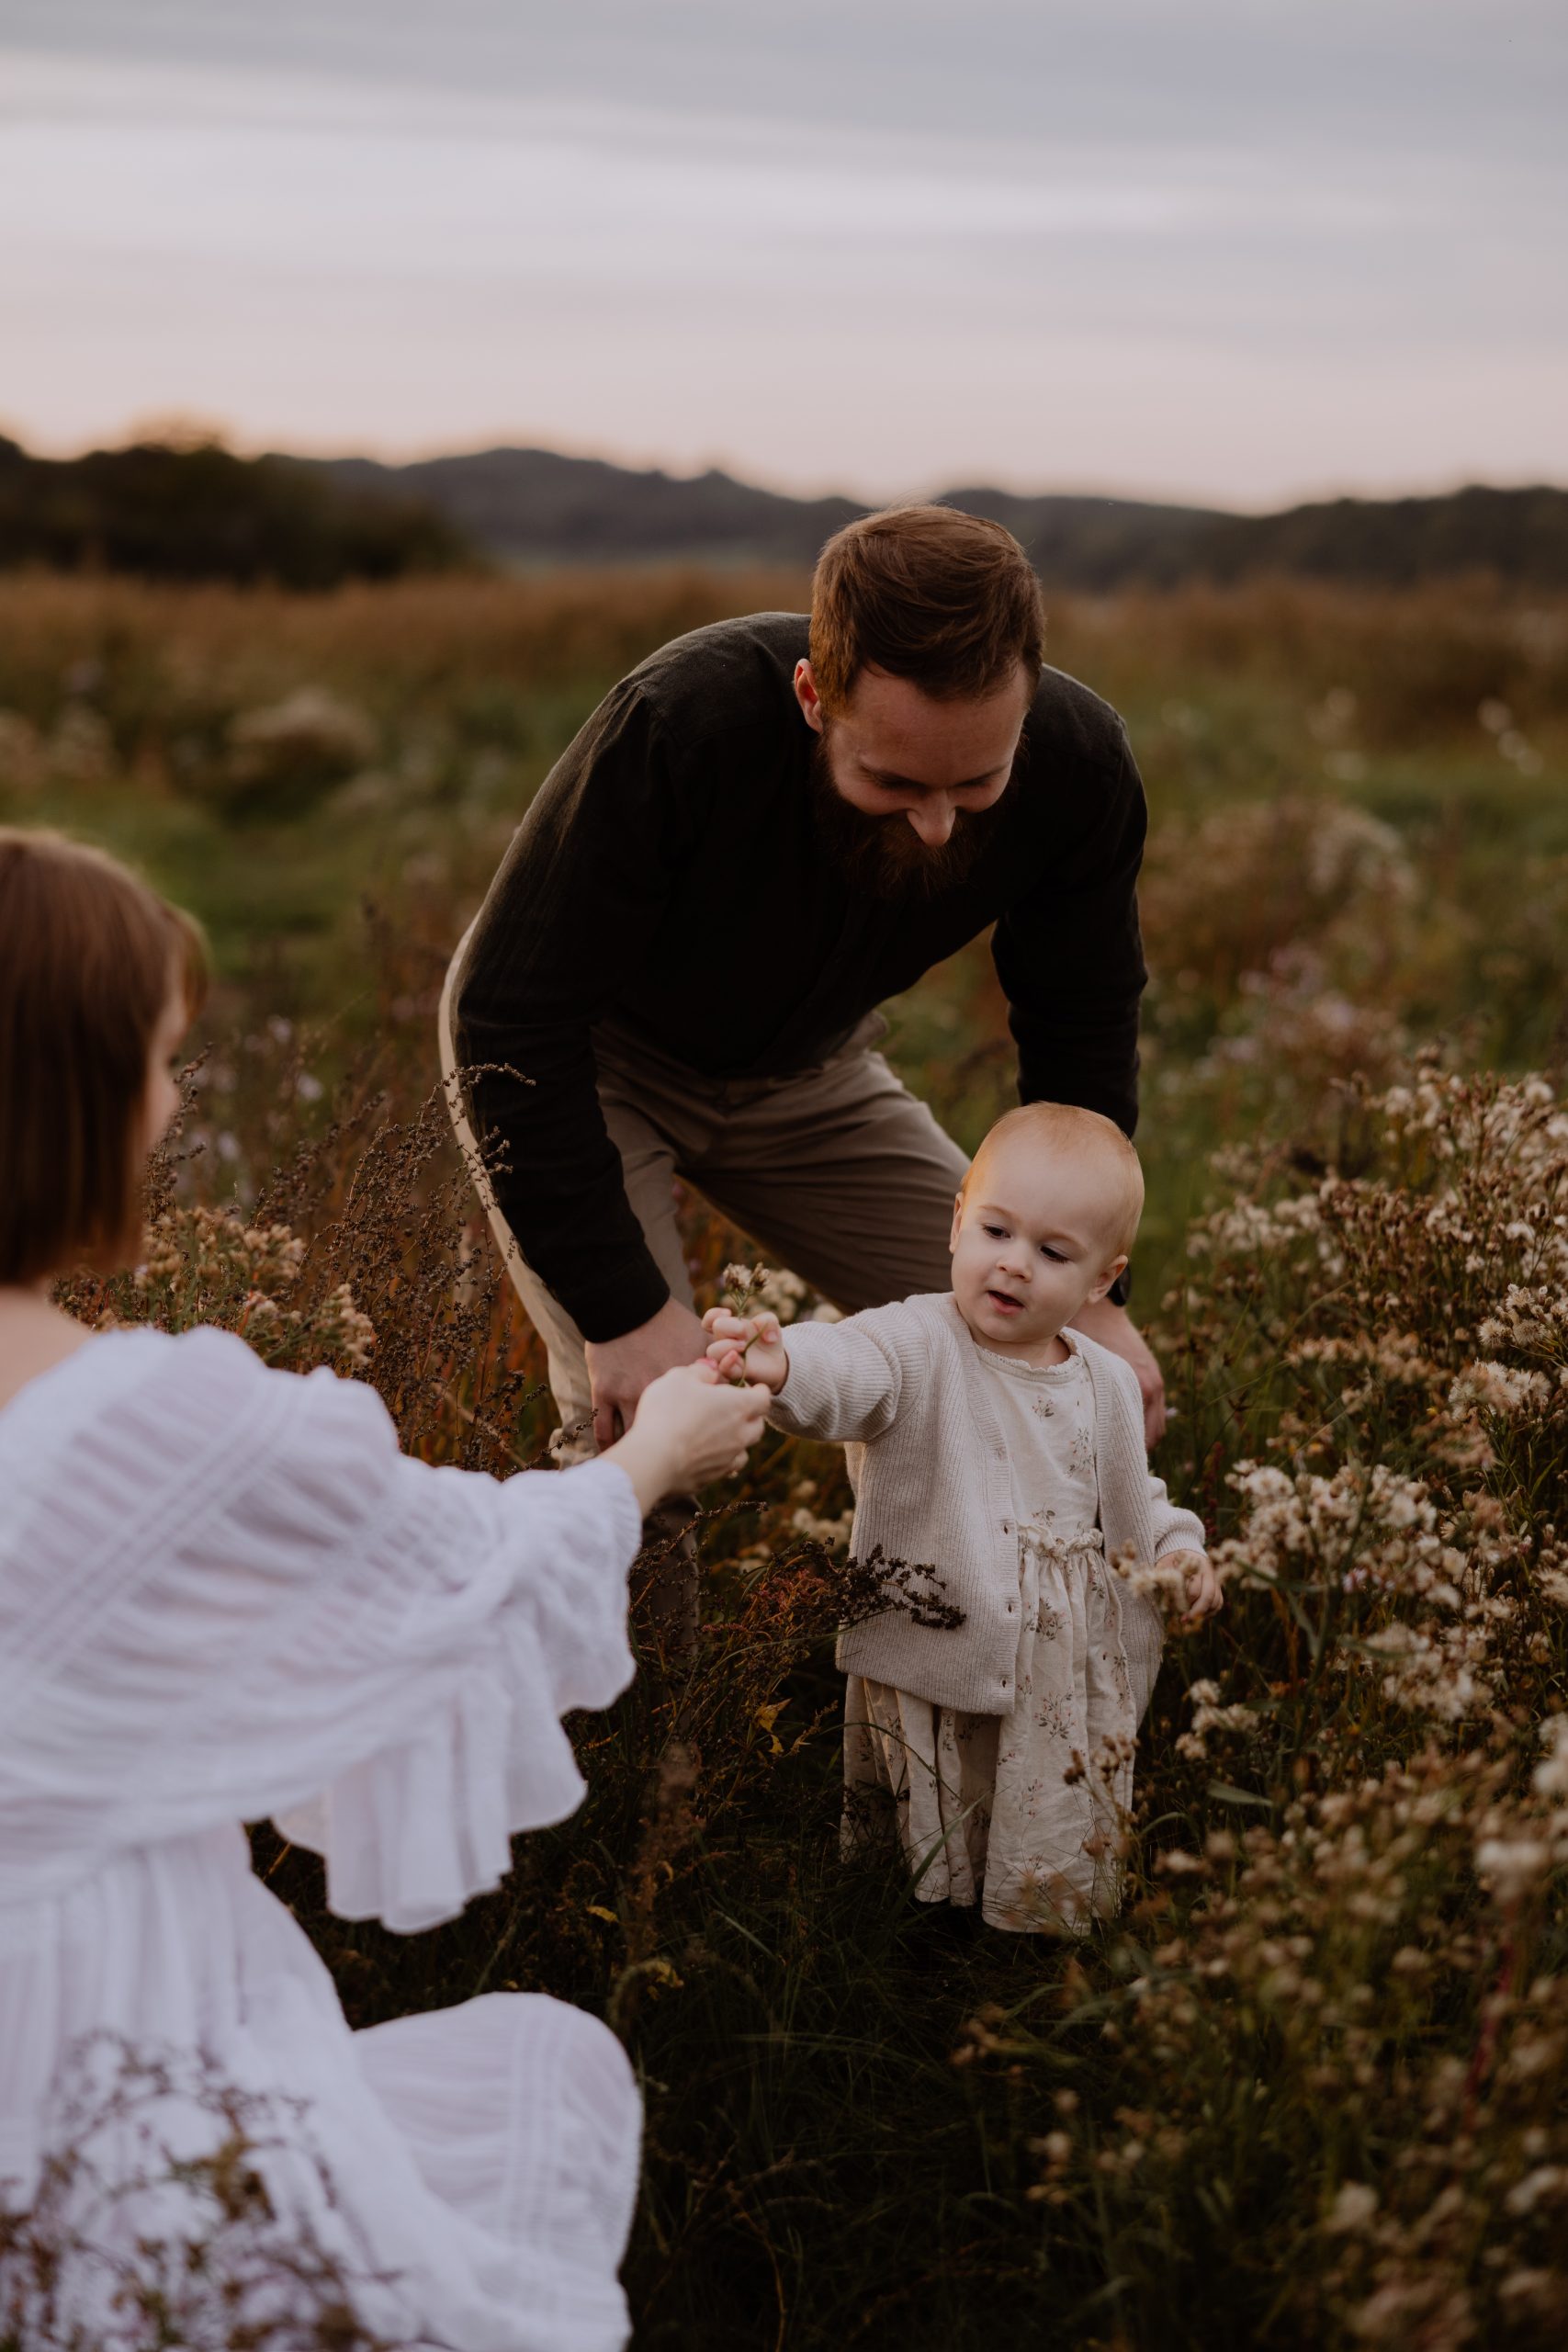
x: 87, y: 955
x: 925, y: 593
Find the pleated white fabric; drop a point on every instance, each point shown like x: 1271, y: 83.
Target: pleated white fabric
x: 225, y: 1594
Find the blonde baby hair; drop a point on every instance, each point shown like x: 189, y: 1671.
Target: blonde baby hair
x: 1064, y: 1127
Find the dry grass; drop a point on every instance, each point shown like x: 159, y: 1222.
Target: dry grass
x: 1305, y: 2091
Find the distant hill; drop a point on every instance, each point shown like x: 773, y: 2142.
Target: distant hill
x: 531, y: 506
x: 202, y: 513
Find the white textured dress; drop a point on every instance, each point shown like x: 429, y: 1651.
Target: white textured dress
x: 225, y: 1594
x: 1022, y: 1812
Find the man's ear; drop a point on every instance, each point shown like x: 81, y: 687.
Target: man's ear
x: 809, y: 698
x: 1108, y: 1274
x: 957, y: 1221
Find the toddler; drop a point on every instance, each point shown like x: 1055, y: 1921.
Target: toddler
x: 992, y: 1444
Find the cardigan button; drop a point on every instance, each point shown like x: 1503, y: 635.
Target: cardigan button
x: 1006, y: 1527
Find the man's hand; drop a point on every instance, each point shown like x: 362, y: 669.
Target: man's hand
x: 619, y: 1370
x: 747, y: 1347
x: 1112, y: 1328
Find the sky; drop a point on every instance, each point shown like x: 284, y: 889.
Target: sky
x: 1236, y: 252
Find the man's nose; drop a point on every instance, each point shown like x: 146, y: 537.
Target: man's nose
x: 932, y: 819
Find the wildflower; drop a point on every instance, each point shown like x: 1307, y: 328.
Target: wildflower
x: 1352, y: 2210
x: 1512, y: 1866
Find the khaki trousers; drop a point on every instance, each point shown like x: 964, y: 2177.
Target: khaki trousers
x: 837, y: 1172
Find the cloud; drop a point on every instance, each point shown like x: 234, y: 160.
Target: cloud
x: 1212, y: 248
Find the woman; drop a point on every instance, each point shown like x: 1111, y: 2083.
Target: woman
x: 225, y: 1593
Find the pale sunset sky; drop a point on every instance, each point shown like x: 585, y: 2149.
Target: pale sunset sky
x: 1233, y: 251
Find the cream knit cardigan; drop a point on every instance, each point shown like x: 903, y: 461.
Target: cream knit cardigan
x: 903, y: 1388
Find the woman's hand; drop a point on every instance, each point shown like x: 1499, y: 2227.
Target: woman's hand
x: 1204, y: 1591
x: 746, y: 1345
x: 690, y: 1426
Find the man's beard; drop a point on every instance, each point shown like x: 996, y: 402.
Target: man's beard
x: 884, y: 855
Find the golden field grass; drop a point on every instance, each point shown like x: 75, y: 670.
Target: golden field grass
x: 1307, y: 2090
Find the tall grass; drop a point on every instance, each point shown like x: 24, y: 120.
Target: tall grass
x: 1305, y: 2091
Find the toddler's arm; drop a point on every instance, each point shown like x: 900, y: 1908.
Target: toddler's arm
x: 840, y: 1381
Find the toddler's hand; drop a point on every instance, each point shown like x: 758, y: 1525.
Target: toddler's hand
x: 1204, y: 1591
x: 747, y: 1346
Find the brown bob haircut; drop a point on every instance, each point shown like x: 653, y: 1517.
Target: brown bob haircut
x: 86, y: 957
x: 925, y: 593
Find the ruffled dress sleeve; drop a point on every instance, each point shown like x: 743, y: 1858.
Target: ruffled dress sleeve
x: 249, y: 1602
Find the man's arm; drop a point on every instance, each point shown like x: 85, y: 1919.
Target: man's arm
x: 575, y: 904
x: 1069, y: 956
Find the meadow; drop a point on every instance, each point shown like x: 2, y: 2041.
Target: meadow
x: 1307, y: 2090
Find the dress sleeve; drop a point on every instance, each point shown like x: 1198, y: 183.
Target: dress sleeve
x: 303, y: 1622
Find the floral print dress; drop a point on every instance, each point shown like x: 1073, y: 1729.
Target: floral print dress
x: 1021, y: 1811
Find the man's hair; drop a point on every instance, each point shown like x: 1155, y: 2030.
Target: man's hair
x: 1064, y: 1127
x: 86, y: 957
x: 947, y: 600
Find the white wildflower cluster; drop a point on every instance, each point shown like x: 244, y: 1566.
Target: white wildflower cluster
x: 1533, y: 1321
x: 1500, y: 1388
x: 1518, y: 1847
x: 1435, y: 1670
x: 1163, y: 1582
x: 766, y: 1290
x: 1360, y: 1526
x: 203, y: 1265
x: 1350, y: 853
x: 1238, y: 880
x: 833, y: 1532
x: 1384, y: 1361
x: 1257, y: 1228
x: 1209, y: 1716
x: 1377, y: 1534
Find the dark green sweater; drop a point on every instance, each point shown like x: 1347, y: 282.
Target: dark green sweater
x: 686, y: 802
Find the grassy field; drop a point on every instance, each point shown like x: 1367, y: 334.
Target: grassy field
x: 1306, y: 2091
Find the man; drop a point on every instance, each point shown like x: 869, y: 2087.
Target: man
x: 765, y: 829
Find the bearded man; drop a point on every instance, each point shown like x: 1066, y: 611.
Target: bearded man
x: 771, y: 825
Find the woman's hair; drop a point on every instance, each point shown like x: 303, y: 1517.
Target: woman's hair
x: 88, y: 956
x: 926, y: 592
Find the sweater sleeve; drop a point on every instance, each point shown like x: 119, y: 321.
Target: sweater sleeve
x: 575, y: 906
x: 1070, y: 959
x: 847, y: 1380
x: 1175, y: 1530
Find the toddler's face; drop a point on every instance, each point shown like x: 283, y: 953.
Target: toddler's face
x: 1029, y: 1245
